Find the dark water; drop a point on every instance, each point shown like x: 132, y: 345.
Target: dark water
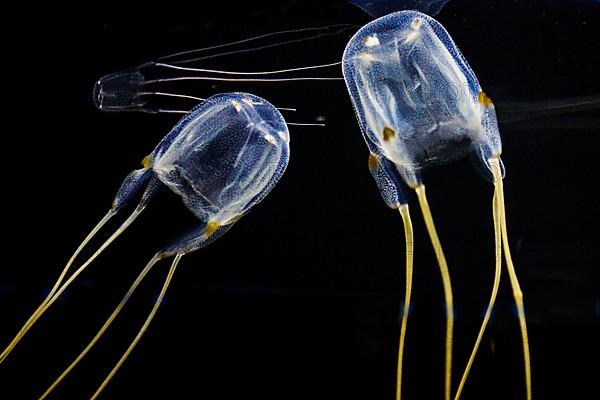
x: 302, y: 298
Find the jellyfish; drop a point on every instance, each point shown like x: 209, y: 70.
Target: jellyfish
x: 379, y: 8
x: 139, y: 88
x: 222, y: 159
x: 419, y: 105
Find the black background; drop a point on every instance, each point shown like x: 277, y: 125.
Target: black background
x: 302, y: 298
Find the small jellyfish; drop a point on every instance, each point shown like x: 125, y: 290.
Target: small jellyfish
x: 222, y: 159
x: 419, y: 104
x: 379, y: 8
x: 139, y: 88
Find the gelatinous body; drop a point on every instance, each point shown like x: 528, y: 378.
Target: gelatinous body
x: 419, y: 104
x: 120, y: 91
x: 379, y: 8
x: 222, y: 170
x: 222, y: 158
x: 415, y: 96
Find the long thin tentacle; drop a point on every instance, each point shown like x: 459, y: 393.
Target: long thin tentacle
x: 262, y: 80
x: 75, y: 274
x: 262, y: 47
x: 441, y: 258
x: 274, y: 72
x: 251, y: 39
x: 496, y: 284
x: 517, y: 292
x: 62, y: 275
x: 104, y: 327
x: 408, y: 235
x: 188, y: 97
x: 143, y: 329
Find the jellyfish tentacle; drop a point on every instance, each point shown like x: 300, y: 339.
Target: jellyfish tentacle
x: 121, y: 91
x: 262, y: 80
x: 255, y: 38
x: 143, y: 329
x: 119, y: 201
x: 176, y: 95
x: 196, y: 239
x: 104, y: 327
x: 264, y: 47
x: 408, y: 237
x: 75, y: 274
x: 274, y: 72
x: 167, y: 111
x: 495, y: 286
x: 441, y: 258
x: 61, y: 277
x: 517, y: 292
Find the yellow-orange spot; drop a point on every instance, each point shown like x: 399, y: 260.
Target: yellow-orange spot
x: 270, y: 138
x: 236, y: 105
x: 483, y: 99
x: 371, y: 41
x: 147, y: 161
x: 416, y: 22
x: 211, y: 227
x: 373, y: 161
x: 388, y: 133
x: 282, y: 135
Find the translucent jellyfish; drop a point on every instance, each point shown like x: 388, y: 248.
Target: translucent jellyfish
x: 139, y: 88
x: 379, y: 8
x: 419, y: 104
x: 222, y: 159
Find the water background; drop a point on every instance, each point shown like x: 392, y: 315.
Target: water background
x: 301, y: 300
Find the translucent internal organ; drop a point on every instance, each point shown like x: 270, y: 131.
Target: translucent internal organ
x: 222, y: 159
x: 379, y: 8
x: 416, y: 98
